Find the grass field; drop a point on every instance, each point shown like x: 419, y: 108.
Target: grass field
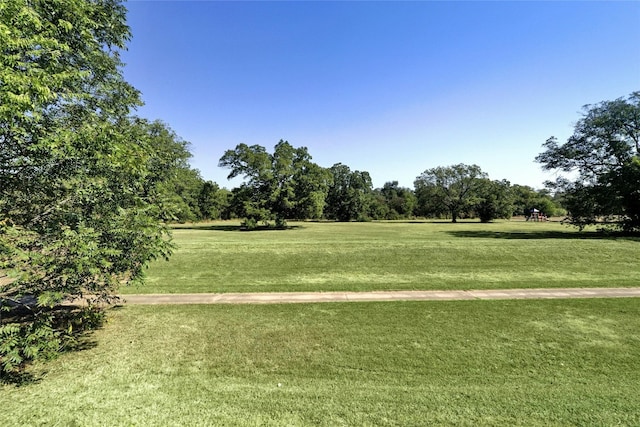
x: 545, y: 362
x: 395, y: 255
x: 520, y: 362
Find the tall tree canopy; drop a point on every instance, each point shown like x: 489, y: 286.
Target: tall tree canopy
x: 525, y: 199
x: 451, y: 190
x: 349, y: 194
x: 80, y: 206
x: 494, y: 200
x: 280, y: 186
x: 604, y: 153
x: 400, y: 200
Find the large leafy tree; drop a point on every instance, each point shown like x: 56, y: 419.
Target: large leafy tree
x: 349, y: 195
x: 451, y: 190
x: 186, y: 196
x: 311, y: 185
x: 178, y: 184
x: 183, y: 193
x: 252, y: 200
x: 213, y: 201
x: 494, y: 200
x: 392, y: 202
x: 400, y: 200
x: 525, y: 199
x: 280, y: 186
x: 603, y: 155
x: 80, y: 207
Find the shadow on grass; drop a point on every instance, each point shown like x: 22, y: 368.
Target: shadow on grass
x: 235, y: 228
x: 440, y: 221
x: 19, y: 379
x: 543, y: 234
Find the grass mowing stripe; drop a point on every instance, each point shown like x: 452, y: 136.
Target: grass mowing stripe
x: 556, y: 362
x: 396, y: 255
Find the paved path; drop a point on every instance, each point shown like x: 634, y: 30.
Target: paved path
x: 306, y: 297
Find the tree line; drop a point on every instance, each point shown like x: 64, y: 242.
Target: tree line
x: 603, y: 154
x: 286, y: 184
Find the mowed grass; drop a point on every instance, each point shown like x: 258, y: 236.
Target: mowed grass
x: 392, y: 255
x: 528, y: 363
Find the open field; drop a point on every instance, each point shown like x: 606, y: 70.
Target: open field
x: 390, y: 256
x: 560, y: 362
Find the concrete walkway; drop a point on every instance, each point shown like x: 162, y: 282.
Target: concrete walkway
x: 312, y: 297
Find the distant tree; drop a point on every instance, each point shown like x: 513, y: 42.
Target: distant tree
x: 429, y: 203
x: 282, y: 185
x: 213, y: 201
x: 525, y: 199
x: 284, y: 161
x: 252, y: 200
x: 349, y: 194
x: 548, y: 204
x: 246, y: 204
x: 186, y: 195
x: 494, y: 200
x: 558, y: 199
x: 311, y: 185
x: 452, y: 189
x: 604, y: 151
x: 399, y: 200
x: 378, y: 208
x: 183, y: 191
x: 180, y: 184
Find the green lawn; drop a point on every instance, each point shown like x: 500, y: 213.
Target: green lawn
x: 395, y: 255
x: 544, y: 362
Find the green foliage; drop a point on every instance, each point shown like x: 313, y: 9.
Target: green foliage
x: 20, y: 342
x: 251, y: 200
x: 378, y: 207
x: 311, y: 185
x: 395, y: 202
x: 81, y: 182
x: 349, y: 194
x: 176, y: 182
x: 495, y: 200
x: 282, y: 185
x: 603, y: 151
x: 249, y: 224
x: 213, y: 201
x: 525, y: 199
x: 451, y: 190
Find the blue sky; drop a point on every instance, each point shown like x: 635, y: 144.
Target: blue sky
x: 393, y: 88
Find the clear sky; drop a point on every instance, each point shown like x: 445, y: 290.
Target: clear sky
x: 393, y: 88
